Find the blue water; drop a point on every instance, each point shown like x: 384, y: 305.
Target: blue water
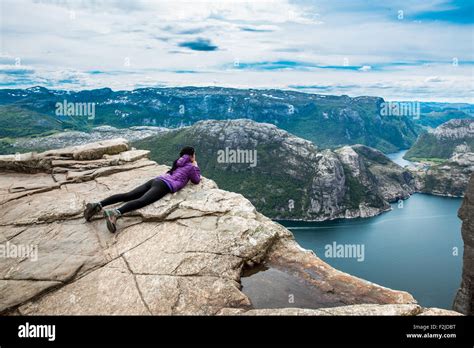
x: 397, y: 157
x: 409, y: 248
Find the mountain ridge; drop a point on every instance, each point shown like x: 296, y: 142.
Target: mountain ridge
x: 345, y: 120
x: 293, y: 179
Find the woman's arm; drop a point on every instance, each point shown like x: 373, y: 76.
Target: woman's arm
x: 195, y: 174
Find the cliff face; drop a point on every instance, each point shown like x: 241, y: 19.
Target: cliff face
x: 451, y: 145
x: 464, y: 301
x: 449, y: 178
x: 442, y: 141
x: 182, y: 255
x: 291, y: 178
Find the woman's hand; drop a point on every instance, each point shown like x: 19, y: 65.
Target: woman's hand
x: 194, y: 163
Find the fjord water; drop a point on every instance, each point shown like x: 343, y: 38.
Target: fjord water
x: 410, y: 248
x: 397, y: 157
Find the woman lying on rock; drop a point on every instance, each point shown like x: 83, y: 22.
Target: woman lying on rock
x: 185, y: 168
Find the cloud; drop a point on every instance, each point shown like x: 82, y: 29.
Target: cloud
x: 16, y: 70
x: 365, y: 68
x: 272, y: 65
x: 191, y: 31
x: 199, y: 44
x: 324, y: 45
x: 259, y: 28
x: 294, y: 65
x: 185, y: 29
x: 457, y: 11
x: 433, y: 79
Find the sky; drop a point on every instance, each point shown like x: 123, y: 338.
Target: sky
x: 395, y: 49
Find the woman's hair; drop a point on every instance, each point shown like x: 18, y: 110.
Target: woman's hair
x: 187, y: 150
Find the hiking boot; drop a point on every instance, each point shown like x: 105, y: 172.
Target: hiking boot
x: 111, y: 217
x: 91, y: 210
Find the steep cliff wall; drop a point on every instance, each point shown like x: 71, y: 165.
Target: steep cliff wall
x: 464, y: 301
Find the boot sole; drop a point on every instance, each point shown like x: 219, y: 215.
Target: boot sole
x: 110, y: 226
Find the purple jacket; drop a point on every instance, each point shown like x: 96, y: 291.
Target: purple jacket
x: 184, y: 172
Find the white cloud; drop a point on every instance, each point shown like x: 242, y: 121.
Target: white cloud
x: 102, y: 36
x: 433, y: 79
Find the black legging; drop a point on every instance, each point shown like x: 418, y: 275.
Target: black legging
x: 145, y: 194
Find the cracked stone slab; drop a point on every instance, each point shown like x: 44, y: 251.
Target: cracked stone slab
x: 62, y: 251
x: 78, y: 176
x: 362, y: 309
x: 352, y: 310
x: 108, y: 290
x: 190, y: 295
x: 20, y: 291
x: 438, y: 311
x: 16, y: 185
x: 39, y: 162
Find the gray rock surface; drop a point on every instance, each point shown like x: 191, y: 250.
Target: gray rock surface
x: 362, y: 309
x: 449, y: 178
x: 464, y: 301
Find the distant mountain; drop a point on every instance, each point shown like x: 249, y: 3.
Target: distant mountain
x: 327, y: 121
x: 22, y: 122
x: 441, y: 142
x: 284, y: 176
x: 434, y: 114
x: 72, y: 138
